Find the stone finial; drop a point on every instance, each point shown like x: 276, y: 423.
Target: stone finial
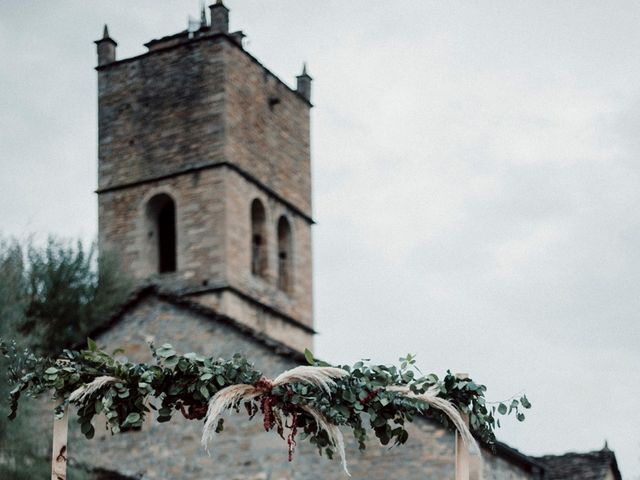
x: 203, y: 16
x: 238, y: 37
x: 303, y: 86
x: 219, y: 17
x: 106, y: 47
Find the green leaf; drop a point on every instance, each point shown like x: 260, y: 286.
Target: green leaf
x: 171, y: 361
x: 220, y: 425
x: 92, y: 346
x: 502, y: 409
x: 132, y: 418
x: 166, y: 351
x: 175, y: 389
x: 51, y: 371
x: 308, y: 356
x: 379, y: 422
x: 344, y: 411
x: 349, y: 396
x: 86, y: 428
x: 204, y: 392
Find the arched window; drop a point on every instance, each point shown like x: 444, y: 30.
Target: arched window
x: 258, y: 239
x: 285, y: 255
x: 161, y: 220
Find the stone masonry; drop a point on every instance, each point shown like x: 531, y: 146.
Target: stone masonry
x: 199, y: 120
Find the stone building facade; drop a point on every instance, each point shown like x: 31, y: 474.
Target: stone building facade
x: 204, y: 177
x: 204, y: 192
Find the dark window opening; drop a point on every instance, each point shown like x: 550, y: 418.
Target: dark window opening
x: 285, y: 269
x: 161, y: 214
x: 256, y: 255
x: 167, y: 239
x: 258, y: 240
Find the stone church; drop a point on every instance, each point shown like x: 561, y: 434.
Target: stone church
x: 204, y: 193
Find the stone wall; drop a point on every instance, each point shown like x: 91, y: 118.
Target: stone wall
x: 203, y: 122
x: 200, y: 101
x: 267, y: 126
x: 298, y: 302
x: 261, y: 319
x: 200, y: 225
x: 160, y: 113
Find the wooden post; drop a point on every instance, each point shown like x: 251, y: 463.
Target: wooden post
x: 462, y: 453
x: 475, y: 467
x: 59, y: 452
x: 467, y: 467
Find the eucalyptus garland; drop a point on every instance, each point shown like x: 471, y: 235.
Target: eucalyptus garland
x: 384, y: 397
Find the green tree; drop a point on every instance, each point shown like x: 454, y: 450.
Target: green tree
x: 65, y: 293
x: 51, y: 297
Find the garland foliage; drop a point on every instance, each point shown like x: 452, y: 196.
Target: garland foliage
x: 125, y: 393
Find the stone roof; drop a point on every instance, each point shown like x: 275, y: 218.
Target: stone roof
x: 526, y: 462
x: 141, y: 293
x: 581, y: 466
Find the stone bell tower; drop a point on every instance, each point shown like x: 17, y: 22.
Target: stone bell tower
x: 204, y: 179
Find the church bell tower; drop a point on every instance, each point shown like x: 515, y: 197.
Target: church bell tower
x: 204, y: 178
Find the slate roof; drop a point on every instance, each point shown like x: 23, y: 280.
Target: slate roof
x: 527, y: 463
x: 153, y: 290
x: 581, y: 466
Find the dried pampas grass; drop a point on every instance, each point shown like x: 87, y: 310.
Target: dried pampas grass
x: 321, y: 377
x: 430, y: 397
x: 80, y: 394
x: 223, y: 399
x: 334, y: 433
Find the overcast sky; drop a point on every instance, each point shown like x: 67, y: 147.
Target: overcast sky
x: 476, y: 182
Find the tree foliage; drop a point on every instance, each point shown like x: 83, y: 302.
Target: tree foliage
x: 51, y: 295
x: 65, y: 292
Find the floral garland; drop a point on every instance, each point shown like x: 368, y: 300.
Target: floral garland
x: 315, y: 399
